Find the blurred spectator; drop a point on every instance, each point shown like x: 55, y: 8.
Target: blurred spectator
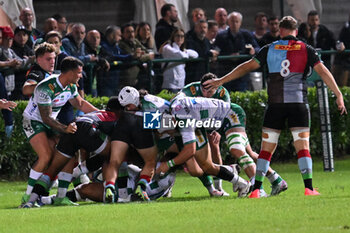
x: 144, y: 35
x: 8, y: 119
x: 55, y: 38
x: 221, y: 18
x: 70, y: 28
x: 50, y: 24
x: 198, y: 14
x: 235, y: 41
x: 26, y: 17
x: 108, y: 82
x: 15, y: 62
x: 274, y: 31
x: 7, y: 114
x: 73, y: 44
x: 21, y: 48
x: 93, y: 46
x: 61, y: 23
x: 174, y: 73
x: 304, y: 32
x: 260, y: 27
x: 341, y: 68
x: 130, y: 45
x: 321, y: 37
x: 165, y: 25
x: 213, y: 30
x: 197, y: 41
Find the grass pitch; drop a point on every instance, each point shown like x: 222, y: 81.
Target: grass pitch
x: 192, y: 210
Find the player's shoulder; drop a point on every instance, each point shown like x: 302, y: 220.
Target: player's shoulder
x: 192, y: 89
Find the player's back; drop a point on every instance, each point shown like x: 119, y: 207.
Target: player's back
x: 199, y: 108
x: 288, y: 65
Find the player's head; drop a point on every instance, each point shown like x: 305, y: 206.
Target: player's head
x: 288, y: 26
x: 45, y: 55
x: 206, y: 92
x: 73, y: 67
x: 113, y: 104
x: 129, y: 98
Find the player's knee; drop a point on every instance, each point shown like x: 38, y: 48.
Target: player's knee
x: 44, y: 159
x: 245, y: 161
x: 270, y: 136
x: 301, y: 134
x: 237, y: 144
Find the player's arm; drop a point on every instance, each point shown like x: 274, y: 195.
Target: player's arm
x: 236, y: 73
x: 328, y: 78
x: 186, y: 153
x: 28, y: 87
x: 45, y: 113
x: 82, y: 104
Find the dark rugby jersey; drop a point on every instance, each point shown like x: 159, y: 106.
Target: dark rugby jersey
x: 288, y: 61
x: 103, y: 120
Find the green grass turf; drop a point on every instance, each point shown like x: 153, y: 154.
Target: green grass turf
x: 191, y: 210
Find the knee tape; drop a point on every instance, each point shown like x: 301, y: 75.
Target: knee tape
x: 245, y: 161
x: 270, y: 136
x: 237, y: 141
x: 301, y: 134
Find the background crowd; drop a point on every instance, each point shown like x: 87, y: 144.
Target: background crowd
x: 119, y: 56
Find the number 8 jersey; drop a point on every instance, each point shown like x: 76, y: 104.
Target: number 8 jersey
x: 288, y: 62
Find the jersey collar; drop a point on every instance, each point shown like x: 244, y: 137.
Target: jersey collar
x: 290, y: 37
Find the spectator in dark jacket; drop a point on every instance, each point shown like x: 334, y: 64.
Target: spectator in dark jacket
x: 74, y: 45
x: 21, y: 48
x: 235, y: 41
x: 321, y: 37
x: 165, y: 25
x: 197, y: 41
x: 274, y: 31
x: 108, y: 82
x: 92, y: 41
x: 26, y: 16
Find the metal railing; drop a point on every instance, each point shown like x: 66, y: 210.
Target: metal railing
x: 152, y: 63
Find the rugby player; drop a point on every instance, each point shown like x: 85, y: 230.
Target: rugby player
x: 288, y: 61
x: 39, y: 117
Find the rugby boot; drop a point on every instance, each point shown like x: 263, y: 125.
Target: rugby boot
x: 255, y: 194
x: 278, y: 188
x: 64, y: 201
x: 309, y: 192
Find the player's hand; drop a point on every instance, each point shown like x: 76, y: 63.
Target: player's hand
x: 212, y: 84
x: 5, y: 104
x: 71, y: 128
x: 341, y: 106
x: 163, y: 168
x: 214, y: 137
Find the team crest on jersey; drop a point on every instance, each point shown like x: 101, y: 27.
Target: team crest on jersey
x: 52, y: 88
x: 288, y: 47
x: 193, y: 90
x: 222, y: 93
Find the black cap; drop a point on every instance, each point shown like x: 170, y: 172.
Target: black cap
x: 22, y: 28
x: 113, y: 104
